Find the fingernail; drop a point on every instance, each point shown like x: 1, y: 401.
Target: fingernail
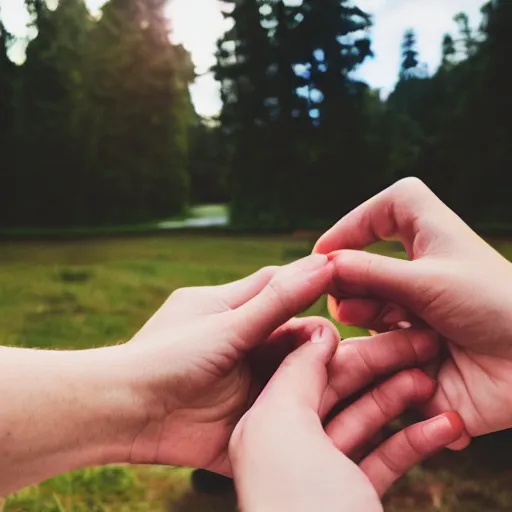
x: 318, y: 335
x: 433, y: 428
x: 313, y: 262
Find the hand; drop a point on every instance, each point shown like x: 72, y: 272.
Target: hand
x: 282, y: 457
x: 206, y: 355
x: 456, y: 283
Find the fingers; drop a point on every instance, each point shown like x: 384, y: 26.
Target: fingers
x: 359, y: 362
x: 302, y: 377
x: 239, y: 292
x: 439, y: 404
x: 371, y: 314
x: 364, y: 419
x: 372, y: 276
x: 290, y: 291
x: 412, y: 445
x: 266, y: 358
x: 408, y: 211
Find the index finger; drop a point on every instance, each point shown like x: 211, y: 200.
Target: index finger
x: 291, y: 291
x: 399, y: 212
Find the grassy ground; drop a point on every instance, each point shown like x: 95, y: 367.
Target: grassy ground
x: 91, y: 293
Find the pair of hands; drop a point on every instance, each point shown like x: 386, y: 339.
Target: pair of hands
x: 216, y: 363
x: 228, y: 341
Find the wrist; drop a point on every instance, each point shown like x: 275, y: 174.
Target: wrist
x: 109, y: 408
x: 62, y: 411
x: 298, y: 469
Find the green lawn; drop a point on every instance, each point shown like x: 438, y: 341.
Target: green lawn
x: 98, y: 292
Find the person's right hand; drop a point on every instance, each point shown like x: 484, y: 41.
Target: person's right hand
x: 455, y: 282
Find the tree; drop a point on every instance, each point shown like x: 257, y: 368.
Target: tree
x: 208, y: 165
x: 285, y: 74
x: 492, y: 106
x: 410, y: 56
x: 49, y: 157
x: 448, y: 51
x: 137, y: 112
x: 7, y: 122
x: 467, y: 37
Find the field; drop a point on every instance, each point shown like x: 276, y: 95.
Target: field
x: 95, y: 292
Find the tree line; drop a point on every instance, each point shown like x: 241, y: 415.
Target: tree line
x: 97, y: 125
x: 309, y: 141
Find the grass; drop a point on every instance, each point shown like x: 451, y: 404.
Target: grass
x: 88, y: 293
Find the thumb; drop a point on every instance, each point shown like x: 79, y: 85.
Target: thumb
x: 362, y: 274
x: 302, y: 377
x: 291, y: 290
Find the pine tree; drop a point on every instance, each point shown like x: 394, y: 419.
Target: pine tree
x: 50, y: 157
x: 493, y: 110
x: 7, y: 112
x: 467, y: 37
x: 448, y: 51
x: 285, y: 75
x: 333, y: 42
x: 410, y: 56
x: 137, y: 114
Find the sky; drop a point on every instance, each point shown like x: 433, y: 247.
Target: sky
x: 199, y: 23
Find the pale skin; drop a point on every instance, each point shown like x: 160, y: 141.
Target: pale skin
x: 283, y: 459
x: 175, y: 392
x: 454, y: 282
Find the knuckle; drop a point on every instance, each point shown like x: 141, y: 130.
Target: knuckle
x: 280, y: 296
x: 182, y: 294
x: 391, y: 459
x: 417, y: 448
x: 403, y: 345
x: 409, y: 193
x: 416, y: 382
x: 364, y: 356
x: 385, y: 399
x: 411, y: 184
x: 269, y: 271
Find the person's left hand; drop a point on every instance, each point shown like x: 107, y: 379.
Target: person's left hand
x: 282, y: 457
x: 202, y: 360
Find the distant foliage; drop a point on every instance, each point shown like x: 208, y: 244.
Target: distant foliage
x: 97, y: 118
x: 97, y: 126
x: 293, y: 114
x: 463, y: 115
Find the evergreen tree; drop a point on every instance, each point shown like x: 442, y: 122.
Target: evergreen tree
x: 448, y: 51
x: 285, y: 74
x: 467, y: 37
x: 208, y: 165
x: 410, y: 56
x: 492, y: 111
x: 49, y: 157
x: 137, y: 114
x: 7, y: 122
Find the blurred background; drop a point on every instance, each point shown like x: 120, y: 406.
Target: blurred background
x: 147, y: 145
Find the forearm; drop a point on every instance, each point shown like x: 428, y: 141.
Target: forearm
x: 61, y: 411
